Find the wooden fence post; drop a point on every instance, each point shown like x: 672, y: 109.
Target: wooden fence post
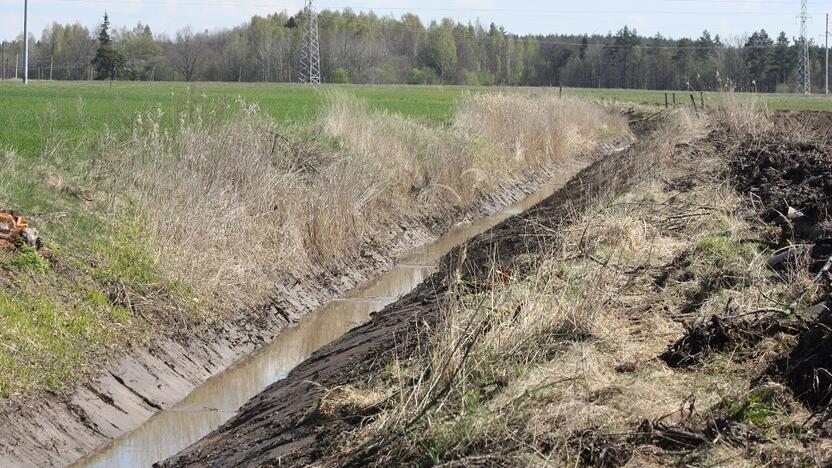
x: 674, y: 99
x: 665, y: 101
x: 702, y: 100
x: 693, y: 101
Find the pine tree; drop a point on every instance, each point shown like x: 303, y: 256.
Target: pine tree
x: 783, y: 62
x: 757, y: 55
x: 104, y: 32
x: 584, y: 47
x: 108, y: 62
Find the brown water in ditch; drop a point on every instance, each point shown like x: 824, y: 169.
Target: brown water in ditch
x: 207, y: 407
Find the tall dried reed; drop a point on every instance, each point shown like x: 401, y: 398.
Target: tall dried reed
x: 233, y: 203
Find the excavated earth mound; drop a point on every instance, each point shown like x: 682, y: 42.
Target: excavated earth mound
x: 786, y: 174
x: 791, y: 178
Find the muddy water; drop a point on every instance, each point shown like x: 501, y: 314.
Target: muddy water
x: 210, y: 405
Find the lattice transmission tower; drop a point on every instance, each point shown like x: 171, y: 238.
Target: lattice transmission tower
x: 309, y: 70
x: 804, y: 70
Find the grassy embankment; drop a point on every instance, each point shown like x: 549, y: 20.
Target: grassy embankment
x: 169, y: 211
x: 560, y: 365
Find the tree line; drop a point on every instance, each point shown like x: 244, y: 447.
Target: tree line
x: 360, y: 47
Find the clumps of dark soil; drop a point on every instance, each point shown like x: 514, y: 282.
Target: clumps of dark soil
x: 790, y: 179
x: 807, y: 369
x: 720, y: 334
x: 784, y: 174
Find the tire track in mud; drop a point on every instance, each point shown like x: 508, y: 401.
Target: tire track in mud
x: 282, y: 425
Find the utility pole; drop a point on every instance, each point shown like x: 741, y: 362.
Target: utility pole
x: 25, y: 41
x: 804, y: 70
x: 827, y: 53
x: 309, y: 70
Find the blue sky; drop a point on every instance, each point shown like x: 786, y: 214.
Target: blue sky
x: 670, y: 17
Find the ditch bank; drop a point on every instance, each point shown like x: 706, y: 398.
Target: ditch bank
x: 289, y: 424
x: 61, y: 429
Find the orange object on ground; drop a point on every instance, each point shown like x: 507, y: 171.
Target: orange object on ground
x: 15, y: 229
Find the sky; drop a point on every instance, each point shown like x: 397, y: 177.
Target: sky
x: 671, y: 18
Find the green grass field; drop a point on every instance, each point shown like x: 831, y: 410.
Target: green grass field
x: 67, y: 113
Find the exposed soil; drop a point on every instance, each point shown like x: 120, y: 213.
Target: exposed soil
x: 792, y: 180
x: 786, y: 174
x: 726, y: 334
x: 287, y: 423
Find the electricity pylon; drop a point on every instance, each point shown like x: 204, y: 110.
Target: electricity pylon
x: 804, y: 70
x: 309, y: 70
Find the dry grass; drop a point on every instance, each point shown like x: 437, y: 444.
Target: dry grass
x: 558, y: 365
x: 234, y: 205
x: 742, y: 117
x: 751, y: 121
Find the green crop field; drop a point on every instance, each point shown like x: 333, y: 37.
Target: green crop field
x: 69, y: 113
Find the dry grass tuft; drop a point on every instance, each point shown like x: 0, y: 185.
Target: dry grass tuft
x: 743, y: 116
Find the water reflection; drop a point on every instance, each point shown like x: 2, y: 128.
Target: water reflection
x: 210, y: 405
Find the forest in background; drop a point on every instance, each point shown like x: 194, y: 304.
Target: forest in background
x: 359, y: 47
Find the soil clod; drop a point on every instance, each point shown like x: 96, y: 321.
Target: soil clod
x: 722, y: 334
x: 807, y: 370
x: 786, y: 174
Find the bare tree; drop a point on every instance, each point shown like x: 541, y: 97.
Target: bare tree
x: 188, y: 51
